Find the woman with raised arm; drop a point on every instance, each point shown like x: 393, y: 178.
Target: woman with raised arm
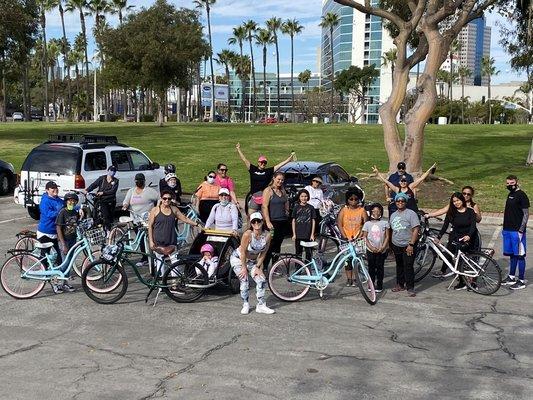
x: 260, y: 175
x: 468, y: 193
x: 407, y: 188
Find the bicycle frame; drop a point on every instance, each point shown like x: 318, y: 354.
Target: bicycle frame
x: 438, y: 248
x: 181, y: 237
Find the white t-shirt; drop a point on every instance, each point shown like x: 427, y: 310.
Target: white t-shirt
x: 376, y: 232
x: 316, y: 196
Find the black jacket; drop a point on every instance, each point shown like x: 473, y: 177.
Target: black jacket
x: 109, y: 189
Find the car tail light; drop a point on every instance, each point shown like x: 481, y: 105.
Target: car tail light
x: 79, y: 182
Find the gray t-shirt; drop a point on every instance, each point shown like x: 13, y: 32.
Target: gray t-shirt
x: 402, y: 222
x: 376, y: 232
x: 143, y: 202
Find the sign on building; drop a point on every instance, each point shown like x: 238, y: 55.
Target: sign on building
x: 221, y: 94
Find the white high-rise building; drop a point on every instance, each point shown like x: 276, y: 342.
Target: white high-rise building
x: 474, y: 40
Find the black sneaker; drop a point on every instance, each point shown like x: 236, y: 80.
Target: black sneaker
x: 509, y: 281
x: 67, y: 288
x: 518, y: 285
x: 348, y: 282
x: 460, y: 286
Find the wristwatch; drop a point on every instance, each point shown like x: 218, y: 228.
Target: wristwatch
x: 411, y: 244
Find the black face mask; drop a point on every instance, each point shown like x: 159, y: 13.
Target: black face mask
x: 139, y: 184
x: 511, y: 188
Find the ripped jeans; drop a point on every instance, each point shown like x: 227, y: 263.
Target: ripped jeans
x: 260, y: 280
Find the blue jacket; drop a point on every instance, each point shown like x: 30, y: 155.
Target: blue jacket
x: 49, y: 207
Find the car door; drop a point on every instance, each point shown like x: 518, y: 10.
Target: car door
x: 125, y: 172
x: 94, y: 165
x: 339, y: 181
x: 141, y: 163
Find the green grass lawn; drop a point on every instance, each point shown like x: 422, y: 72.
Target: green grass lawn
x: 478, y: 155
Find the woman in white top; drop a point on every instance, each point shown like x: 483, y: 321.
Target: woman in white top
x: 224, y: 215
x: 316, y: 195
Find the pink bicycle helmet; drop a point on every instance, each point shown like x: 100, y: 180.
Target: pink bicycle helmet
x: 207, y: 247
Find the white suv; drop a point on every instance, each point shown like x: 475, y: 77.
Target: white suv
x: 75, y: 161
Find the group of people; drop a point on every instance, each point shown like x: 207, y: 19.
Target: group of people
x: 270, y: 221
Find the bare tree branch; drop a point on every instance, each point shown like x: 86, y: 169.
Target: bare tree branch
x: 368, y: 9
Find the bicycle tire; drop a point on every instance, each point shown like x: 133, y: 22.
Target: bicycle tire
x: 13, y: 283
x: 232, y: 279
x: 424, y: 261
x: 364, y: 283
x: 490, y: 276
x: 115, y: 234
x: 83, y: 260
x: 234, y: 283
x: 179, y: 276
x: 26, y: 243
x: 110, y: 282
x: 279, y: 279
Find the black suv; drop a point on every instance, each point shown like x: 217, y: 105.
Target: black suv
x: 8, y: 178
x: 336, y: 180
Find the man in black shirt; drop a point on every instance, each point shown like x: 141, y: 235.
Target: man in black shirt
x: 107, y: 194
x: 260, y: 175
x: 514, y: 232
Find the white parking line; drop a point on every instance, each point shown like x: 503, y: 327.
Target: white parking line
x: 494, y: 237
x: 11, y: 220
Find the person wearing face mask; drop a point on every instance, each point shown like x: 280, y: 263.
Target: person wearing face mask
x: 515, y: 219
x: 107, y: 186
x: 171, y: 183
x: 206, y: 196
x: 224, y: 215
x: 376, y: 234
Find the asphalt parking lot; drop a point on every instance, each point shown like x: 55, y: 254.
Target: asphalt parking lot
x: 441, y: 344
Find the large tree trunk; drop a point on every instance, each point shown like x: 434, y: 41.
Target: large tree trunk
x: 213, y: 105
x: 45, y: 66
x: 160, y: 105
x: 87, y: 83
x: 66, y: 62
x: 3, y: 116
x: 264, y: 81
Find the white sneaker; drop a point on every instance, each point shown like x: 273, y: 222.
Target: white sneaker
x: 263, y: 309
x: 141, y: 264
x: 245, y: 308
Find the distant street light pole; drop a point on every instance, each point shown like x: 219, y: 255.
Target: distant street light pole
x: 95, y: 116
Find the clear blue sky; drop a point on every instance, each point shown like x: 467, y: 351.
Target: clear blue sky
x: 229, y: 13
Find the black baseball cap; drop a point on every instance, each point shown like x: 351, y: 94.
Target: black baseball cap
x: 51, y: 185
x: 112, y: 168
x: 401, y: 165
x: 140, y: 177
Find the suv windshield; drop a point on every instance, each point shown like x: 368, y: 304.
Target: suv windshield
x: 58, y: 159
x: 292, y: 178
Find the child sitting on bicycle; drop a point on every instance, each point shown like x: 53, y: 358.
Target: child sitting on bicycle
x: 376, y: 234
x: 208, y: 261
x: 303, y: 223
x: 66, y: 224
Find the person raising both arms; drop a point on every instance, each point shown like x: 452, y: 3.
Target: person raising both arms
x: 260, y: 174
x: 405, y: 187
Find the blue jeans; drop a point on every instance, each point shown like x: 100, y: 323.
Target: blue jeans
x: 260, y: 281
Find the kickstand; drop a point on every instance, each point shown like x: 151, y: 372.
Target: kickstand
x: 451, y: 283
x: 156, y: 297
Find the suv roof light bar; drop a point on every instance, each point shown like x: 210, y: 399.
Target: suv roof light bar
x: 81, y: 138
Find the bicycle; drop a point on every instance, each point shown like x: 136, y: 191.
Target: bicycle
x: 290, y: 278
x: 101, y: 278
x: 184, y: 232
x: 480, y: 272
x: 425, y: 257
x: 330, y: 237
x: 23, y: 275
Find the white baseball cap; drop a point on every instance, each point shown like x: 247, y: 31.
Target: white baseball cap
x: 256, y: 215
x: 223, y: 191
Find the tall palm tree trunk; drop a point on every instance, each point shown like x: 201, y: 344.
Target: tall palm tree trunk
x: 87, y: 81
x: 54, y: 115
x: 332, y: 73
x: 45, y: 64
x: 254, y: 103
x: 292, y: 79
x: 229, y: 92
x: 463, y: 100
x: 213, y: 107
x: 77, y: 93
x: 278, y: 112
x: 264, y: 80
x: 67, y: 66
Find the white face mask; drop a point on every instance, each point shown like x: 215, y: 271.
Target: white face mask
x: 224, y: 203
x: 172, y: 184
x: 210, y: 180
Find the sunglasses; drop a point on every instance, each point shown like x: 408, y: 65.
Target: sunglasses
x: 262, y: 162
x: 353, y: 199
x: 314, y: 180
x: 211, y: 176
x: 400, y: 201
x: 166, y: 198
x: 223, y: 169
x: 256, y: 221
x: 224, y: 195
x: 467, y: 194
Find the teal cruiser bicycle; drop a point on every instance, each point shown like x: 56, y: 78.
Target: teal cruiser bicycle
x: 24, y: 274
x: 290, y: 278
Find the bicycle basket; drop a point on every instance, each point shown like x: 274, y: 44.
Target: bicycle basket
x: 96, y: 236
x: 360, y: 246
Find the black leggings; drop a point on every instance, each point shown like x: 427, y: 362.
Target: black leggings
x: 44, y: 252
x: 299, y: 249
x: 280, y: 229
x: 108, y: 213
x: 376, y: 268
x: 405, y: 273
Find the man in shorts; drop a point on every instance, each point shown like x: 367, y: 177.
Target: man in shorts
x: 515, y: 219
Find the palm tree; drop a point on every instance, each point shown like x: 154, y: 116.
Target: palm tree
x: 238, y: 38
x: 264, y: 38
x: 119, y: 7
x: 251, y: 28
x: 274, y: 25
x: 65, y: 50
x: 489, y: 70
x: 207, y: 5
x: 330, y: 21
x: 464, y: 73
x: 225, y: 58
x: 389, y: 59
x: 304, y: 77
x: 291, y: 27
x: 44, y: 7
x: 243, y: 68
x: 54, y: 47
x: 80, y: 5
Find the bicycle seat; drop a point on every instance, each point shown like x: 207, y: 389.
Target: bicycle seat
x: 165, y: 250
x: 308, y: 244
x: 125, y: 219
x: 39, y: 245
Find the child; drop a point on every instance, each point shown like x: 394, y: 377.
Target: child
x: 209, y: 261
x: 376, y: 234
x: 350, y: 221
x: 303, y: 223
x: 66, y: 223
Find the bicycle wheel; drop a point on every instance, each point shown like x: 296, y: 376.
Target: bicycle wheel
x: 83, y: 260
x: 490, y: 273
x: 179, y: 279
x: 104, y: 282
x: 364, y: 283
x: 26, y: 243
x: 424, y: 261
x: 280, y: 279
x: 11, y: 276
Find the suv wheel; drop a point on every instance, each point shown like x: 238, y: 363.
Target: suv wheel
x: 34, y: 213
x: 4, y: 183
